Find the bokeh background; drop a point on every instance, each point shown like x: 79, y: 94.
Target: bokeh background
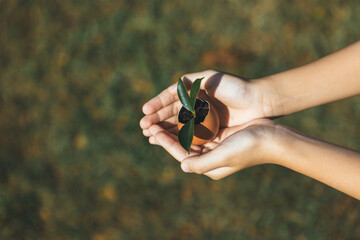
x: 73, y: 78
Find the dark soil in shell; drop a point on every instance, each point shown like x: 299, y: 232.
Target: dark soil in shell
x: 202, y: 108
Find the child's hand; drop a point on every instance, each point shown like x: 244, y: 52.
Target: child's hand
x: 233, y: 149
x: 236, y: 100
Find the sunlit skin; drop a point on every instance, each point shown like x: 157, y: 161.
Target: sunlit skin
x: 247, y: 138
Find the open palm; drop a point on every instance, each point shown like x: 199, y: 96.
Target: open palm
x: 233, y: 149
x: 236, y: 100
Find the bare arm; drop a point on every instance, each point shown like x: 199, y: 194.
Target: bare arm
x: 331, y: 78
x: 262, y: 142
x: 333, y: 165
x: 244, y: 141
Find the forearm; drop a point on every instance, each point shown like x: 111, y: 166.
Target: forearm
x: 331, y: 78
x: 333, y: 165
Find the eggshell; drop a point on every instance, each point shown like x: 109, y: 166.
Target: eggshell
x: 207, y: 130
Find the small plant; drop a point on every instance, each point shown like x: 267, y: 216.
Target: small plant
x: 198, y: 123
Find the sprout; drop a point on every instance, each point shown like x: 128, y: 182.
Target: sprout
x: 186, y: 133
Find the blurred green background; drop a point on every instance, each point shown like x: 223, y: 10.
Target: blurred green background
x: 73, y: 78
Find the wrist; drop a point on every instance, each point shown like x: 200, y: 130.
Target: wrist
x: 269, y: 142
x: 288, y: 147
x: 279, y: 144
x: 269, y: 96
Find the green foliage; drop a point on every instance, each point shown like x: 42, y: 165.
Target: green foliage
x: 186, y: 133
x: 195, y: 88
x: 74, y: 76
x: 184, y: 96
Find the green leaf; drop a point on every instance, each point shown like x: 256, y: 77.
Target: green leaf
x: 186, y: 135
x: 184, y: 96
x: 195, y: 88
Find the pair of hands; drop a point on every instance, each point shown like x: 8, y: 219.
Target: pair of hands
x: 245, y: 137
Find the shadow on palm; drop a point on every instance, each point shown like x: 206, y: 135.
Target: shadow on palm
x: 167, y: 138
x: 211, y: 85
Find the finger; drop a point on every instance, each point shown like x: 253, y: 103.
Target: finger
x: 161, y: 115
x: 189, y: 78
x: 154, y: 129
x: 152, y: 140
x: 165, y: 98
x: 171, y: 139
x: 163, y: 126
x: 169, y: 124
x: 172, y: 132
x: 213, y: 81
x: 146, y: 133
x: 205, y: 162
x: 226, y: 88
x: 171, y: 145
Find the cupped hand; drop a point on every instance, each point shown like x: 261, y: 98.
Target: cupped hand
x: 235, y: 99
x: 233, y: 149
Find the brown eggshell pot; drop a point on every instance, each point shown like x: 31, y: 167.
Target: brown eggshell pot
x: 206, y: 130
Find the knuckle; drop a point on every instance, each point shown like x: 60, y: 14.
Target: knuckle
x: 158, y: 135
x: 152, y: 129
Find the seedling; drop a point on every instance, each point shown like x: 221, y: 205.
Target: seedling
x: 192, y: 117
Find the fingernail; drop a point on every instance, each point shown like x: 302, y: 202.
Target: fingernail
x: 185, y: 168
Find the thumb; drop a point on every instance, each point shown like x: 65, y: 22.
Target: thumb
x: 205, y: 162
x: 211, y: 79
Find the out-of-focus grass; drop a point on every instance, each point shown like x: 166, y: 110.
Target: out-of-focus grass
x: 73, y: 78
